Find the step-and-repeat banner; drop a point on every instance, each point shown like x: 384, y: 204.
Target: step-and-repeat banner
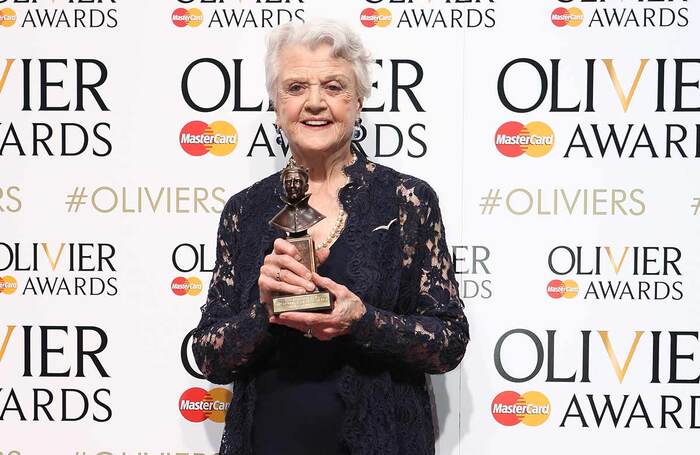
x: 562, y: 138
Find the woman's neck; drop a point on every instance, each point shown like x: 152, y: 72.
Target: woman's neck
x: 325, y: 170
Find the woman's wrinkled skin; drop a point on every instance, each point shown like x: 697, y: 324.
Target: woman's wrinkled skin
x: 316, y: 106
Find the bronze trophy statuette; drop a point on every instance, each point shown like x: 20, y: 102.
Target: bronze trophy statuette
x: 295, y: 218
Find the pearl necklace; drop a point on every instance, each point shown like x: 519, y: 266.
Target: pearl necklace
x: 342, y: 215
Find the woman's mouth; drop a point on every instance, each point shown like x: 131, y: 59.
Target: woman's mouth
x: 316, y: 124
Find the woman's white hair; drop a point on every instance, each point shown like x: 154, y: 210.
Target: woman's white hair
x: 344, y: 42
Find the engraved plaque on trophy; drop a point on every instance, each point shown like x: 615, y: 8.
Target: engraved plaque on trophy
x: 295, y: 218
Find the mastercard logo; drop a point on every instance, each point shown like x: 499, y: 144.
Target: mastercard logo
x: 371, y: 17
x: 558, y: 289
x: 563, y: 16
x: 510, y: 408
x: 189, y: 286
x: 182, y: 17
x: 8, y: 17
x: 535, y: 139
x: 8, y: 285
x: 198, y: 405
x: 218, y: 138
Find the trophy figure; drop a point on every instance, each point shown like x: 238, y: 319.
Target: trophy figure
x: 295, y: 218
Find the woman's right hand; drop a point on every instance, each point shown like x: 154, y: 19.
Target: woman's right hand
x: 282, y: 272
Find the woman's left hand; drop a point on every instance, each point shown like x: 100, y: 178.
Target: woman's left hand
x: 347, y: 309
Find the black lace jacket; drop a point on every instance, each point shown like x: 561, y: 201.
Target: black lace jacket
x: 399, y: 266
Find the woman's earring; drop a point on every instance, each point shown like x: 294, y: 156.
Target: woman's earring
x: 279, y: 139
x: 357, y: 132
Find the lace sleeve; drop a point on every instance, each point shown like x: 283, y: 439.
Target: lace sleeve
x: 434, y: 337
x: 230, y: 330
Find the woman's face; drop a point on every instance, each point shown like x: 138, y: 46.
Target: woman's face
x: 317, y: 101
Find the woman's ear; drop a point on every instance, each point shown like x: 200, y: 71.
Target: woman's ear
x: 273, y: 106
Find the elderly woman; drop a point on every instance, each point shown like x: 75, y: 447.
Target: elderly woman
x: 353, y: 380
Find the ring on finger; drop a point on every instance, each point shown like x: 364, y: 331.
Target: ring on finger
x: 308, y: 333
x: 278, y: 275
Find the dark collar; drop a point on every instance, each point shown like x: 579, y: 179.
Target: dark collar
x: 358, y: 169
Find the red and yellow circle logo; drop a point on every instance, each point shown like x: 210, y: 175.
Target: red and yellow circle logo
x: 182, y: 17
x: 198, y: 405
x: 8, y: 17
x: 371, y: 17
x: 535, y: 139
x: 8, y: 285
x: 558, y: 289
x: 189, y: 286
x: 510, y: 408
x: 218, y: 138
x: 563, y: 16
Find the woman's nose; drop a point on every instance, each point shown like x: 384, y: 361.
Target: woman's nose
x: 315, y: 101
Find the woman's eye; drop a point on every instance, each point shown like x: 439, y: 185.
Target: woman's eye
x: 294, y: 88
x: 334, y: 87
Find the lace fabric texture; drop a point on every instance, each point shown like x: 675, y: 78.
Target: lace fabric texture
x: 399, y: 266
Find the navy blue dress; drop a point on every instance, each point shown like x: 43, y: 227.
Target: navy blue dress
x: 298, y: 410
x: 397, y: 263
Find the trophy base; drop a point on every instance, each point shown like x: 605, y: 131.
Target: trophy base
x: 317, y: 301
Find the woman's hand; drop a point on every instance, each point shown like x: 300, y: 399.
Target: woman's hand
x: 347, y: 309
x: 282, y: 272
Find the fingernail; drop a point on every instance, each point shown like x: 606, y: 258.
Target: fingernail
x: 310, y: 287
x: 301, y: 291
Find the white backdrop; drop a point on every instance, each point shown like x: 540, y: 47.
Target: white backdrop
x: 435, y: 113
